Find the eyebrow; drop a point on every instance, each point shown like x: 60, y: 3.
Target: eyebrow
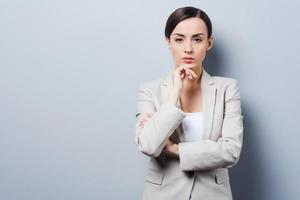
x: 197, y: 34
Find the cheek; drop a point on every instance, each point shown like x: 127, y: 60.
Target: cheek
x: 176, y: 52
x: 201, y: 51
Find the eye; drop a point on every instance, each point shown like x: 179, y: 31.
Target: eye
x: 178, y: 40
x: 198, y: 40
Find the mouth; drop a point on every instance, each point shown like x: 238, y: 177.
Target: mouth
x: 188, y: 59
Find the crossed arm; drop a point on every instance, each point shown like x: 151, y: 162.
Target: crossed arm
x: 170, y: 147
x: 153, y: 136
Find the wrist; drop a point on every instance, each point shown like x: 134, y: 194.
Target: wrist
x: 176, y: 149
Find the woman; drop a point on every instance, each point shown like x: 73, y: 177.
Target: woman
x: 189, y: 123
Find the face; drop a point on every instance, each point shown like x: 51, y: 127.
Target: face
x: 189, y: 39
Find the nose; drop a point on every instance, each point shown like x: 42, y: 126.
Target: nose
x: 188, y: 47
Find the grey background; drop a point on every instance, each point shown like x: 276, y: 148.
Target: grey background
x: 69, y: 72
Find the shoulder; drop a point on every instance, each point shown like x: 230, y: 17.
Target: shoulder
x: 148, y: 90
x: 225, y: 81
x: 227, y: 86
x: 150, y: 85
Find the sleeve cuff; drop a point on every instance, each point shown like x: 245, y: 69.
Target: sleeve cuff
x: 181, y: 155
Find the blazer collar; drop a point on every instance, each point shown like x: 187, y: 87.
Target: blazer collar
x: 208, y: 90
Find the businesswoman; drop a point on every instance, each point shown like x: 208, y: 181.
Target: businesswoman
x: 189, y: 123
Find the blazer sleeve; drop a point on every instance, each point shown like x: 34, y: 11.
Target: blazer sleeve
x: 152, y: 138
x: 225, y: 152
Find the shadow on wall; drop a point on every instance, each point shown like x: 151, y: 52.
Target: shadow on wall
x: 247, y: 177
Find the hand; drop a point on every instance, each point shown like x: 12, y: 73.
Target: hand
x: 181, y: 74
x: 145, y: 119
x: 171, y: 148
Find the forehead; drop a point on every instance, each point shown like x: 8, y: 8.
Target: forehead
x: 191, y: 26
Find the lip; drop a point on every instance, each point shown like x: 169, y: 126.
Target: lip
x: 188, y: 58
x: 188, y: 61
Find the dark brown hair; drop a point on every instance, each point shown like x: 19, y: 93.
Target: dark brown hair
x: 183, y: 13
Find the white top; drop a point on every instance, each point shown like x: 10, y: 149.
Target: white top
x: 192, y: 126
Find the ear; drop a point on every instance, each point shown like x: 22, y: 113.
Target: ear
x: 210, y: 43
x: 168, y: 43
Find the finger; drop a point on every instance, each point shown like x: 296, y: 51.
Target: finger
x: 149, y: 114
x: 182, y: 73
x: 190, y: 71
x: 188, y: 74
x: 169, y: 142
x: 186, y: 70
x: 182, y: 68
x: 193, y: 73
x: 143, y: 119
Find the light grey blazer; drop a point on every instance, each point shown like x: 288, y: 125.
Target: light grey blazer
x: 201, y: 172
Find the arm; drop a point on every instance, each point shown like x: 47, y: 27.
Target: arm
x: 208, y: 154
x: 152, y: 137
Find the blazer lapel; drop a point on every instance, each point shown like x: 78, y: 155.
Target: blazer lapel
x: 209, y: 92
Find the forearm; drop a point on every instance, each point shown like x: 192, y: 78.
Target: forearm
x: 153, y: 136
x: 207, y: 155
